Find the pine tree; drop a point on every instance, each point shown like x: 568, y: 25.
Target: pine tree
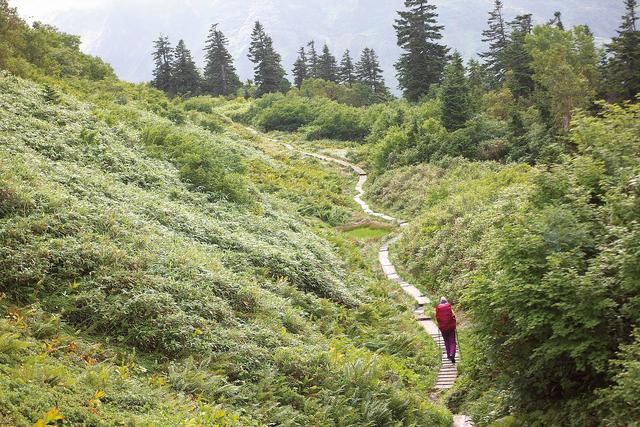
x: 622, y: 71
x: 163, y: 72
x: 300, y: 70
x: 220, y: 76
x: 478, y: 79
x: 50, y: 95
x: 186, y: 77
x: 424, y: 59
x: 369, y: 73
x: 496, y: 36
x: 346, y: 71
x: 517, y: 59
x: 557, y: 20
x: 312, y: 58
x: 456, y: 102
x: 268, y: 71
x: 327, y: 66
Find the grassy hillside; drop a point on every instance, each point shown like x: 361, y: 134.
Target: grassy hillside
x: 153, y: 271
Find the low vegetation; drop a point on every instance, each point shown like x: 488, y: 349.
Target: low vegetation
x: 524, y: 214
x: 540, y: 259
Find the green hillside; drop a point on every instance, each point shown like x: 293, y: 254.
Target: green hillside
x: 120, y: 278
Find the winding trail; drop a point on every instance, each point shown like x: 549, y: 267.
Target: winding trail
x: 448, y: 371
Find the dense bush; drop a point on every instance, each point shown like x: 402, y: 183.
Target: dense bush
x: 41, y: 51
x: 202, y: 104
x: 416, y: 142
x: 335, y: 121
x: 287, y: 114
x: 207, y: 165
x: 618, y: 403
x: 544, y: 260
x: 317, y: 118
x: 357, y: 95
x: 479, y: 139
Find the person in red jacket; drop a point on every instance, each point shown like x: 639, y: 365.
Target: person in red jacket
x: 447, y: 324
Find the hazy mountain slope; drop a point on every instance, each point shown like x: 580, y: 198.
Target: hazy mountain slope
x: 122, y: 32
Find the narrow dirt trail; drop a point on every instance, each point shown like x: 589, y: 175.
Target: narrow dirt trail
x: 448, y: 371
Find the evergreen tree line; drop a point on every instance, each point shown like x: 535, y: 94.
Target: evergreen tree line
x: 366, y: 71
x: 425, y: 63
x: 550, y: 68
x: 177, y: 74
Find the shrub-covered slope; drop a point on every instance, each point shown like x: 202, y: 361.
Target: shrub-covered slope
x: 147, y: 275
x: 544, y: 262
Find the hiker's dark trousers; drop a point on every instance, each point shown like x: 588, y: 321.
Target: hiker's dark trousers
x: 450, y: 343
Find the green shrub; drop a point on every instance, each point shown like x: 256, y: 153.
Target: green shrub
x: 288, y: 115
x: 317, y: 118
x: 409, y: 145
x: 335, y: 121
x: 207, y: 165
x: 619, y: 403
x: 467, y: 141
x: 356, y: 95
x: 212, y: 124
x: 202, y: 104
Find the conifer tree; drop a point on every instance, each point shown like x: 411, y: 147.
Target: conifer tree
x: 456, y: 102
x: 50, y: 95
x: 163, y: 59
x: 327, y: 66
x: 186, y: 77
x: 496, y: 36
x: 220, y: 76
x: 622, y: 71
x: 477, y: 78
x: 300, y: 70
x: 557, y: 20
x: 516, y: 58
x: 312, y: 58
x: 369, y: 73
x: 268, y: 71
x: 346, y: 71
x: 424, y: 59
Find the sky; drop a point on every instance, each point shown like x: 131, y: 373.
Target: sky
x: 122, y: 31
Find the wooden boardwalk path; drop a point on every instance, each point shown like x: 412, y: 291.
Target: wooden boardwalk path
x: 448, y: 371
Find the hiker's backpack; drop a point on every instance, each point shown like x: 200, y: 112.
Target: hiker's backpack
x: 445, y: 317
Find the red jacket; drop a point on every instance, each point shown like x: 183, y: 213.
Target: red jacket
x: 445, y: 317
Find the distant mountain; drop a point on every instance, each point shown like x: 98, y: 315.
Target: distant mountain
x: 122, y: 31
